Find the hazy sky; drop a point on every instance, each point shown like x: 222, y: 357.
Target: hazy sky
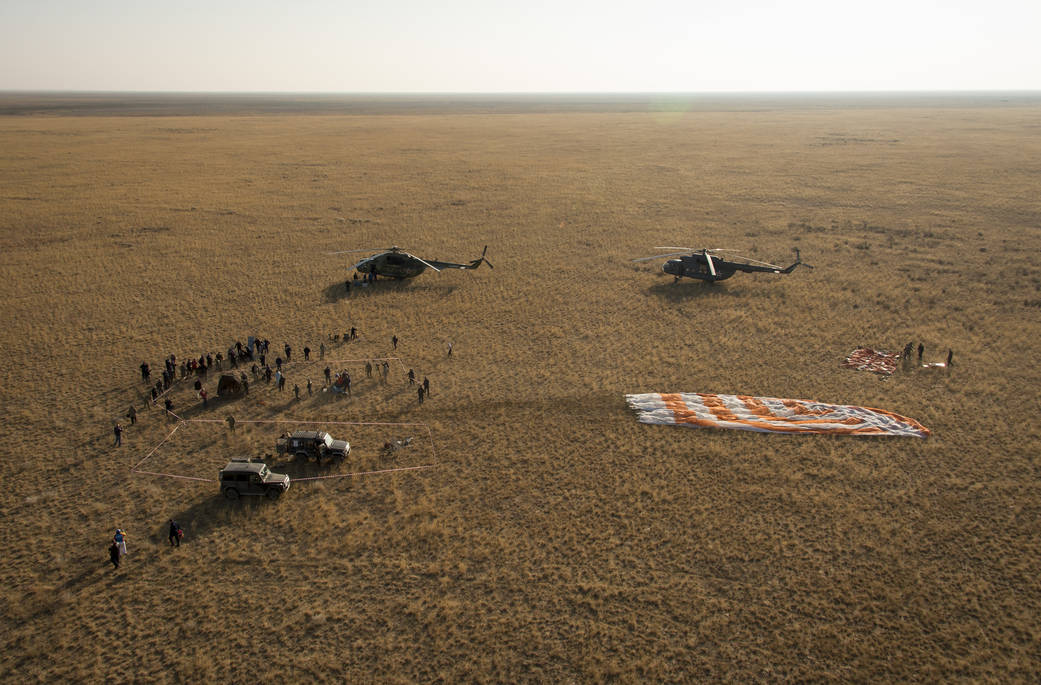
x: 530, y: 46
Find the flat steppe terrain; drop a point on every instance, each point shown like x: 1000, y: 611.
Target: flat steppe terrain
x: 557, y: 539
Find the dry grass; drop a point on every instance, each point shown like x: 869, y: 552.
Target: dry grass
x: 560, y: 539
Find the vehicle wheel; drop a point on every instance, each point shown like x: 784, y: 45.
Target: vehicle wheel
x: 273, y: 493
x: 231, y: 493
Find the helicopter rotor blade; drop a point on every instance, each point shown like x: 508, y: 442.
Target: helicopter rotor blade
x: 660, y: 256
x: 672, y: 247
x: 756, y: 261
x: 419, y: 259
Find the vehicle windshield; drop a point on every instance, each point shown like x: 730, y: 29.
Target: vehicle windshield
x: 328, y: 440
x: 264, y: 471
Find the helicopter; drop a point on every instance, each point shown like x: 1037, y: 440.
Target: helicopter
x: 710, y: 266
x: 396, y: 263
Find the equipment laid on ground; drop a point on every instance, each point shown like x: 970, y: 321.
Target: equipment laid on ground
x: 769, y: 415
x: 245, y: 477
x: 317, y: 444
x: 707, y: 264
x: 396, y: 263
x: 875, y: 361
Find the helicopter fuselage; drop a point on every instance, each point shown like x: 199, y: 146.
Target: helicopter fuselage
x: 391, y: 265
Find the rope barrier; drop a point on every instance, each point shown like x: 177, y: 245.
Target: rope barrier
x: 169, y: 435
x: 368, y: 473
x: 172, y: 475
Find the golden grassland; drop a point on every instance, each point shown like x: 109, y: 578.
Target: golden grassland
x: 558, y: 539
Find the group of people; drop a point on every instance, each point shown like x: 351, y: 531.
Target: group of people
x: 909, y: 350
x: 118, y: 548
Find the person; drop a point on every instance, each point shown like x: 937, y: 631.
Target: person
x: 132, y: 415
x: 368, y: 369
x: 155, y: 396
x: 282, y: 384
x: 145, y: 371
x: 118, y: 430
x: 950, y: 357
x: 120, y: 541
x: 420, y: 393
x: 328, y: 376
x: 231, y: 422
x: 347, y: 382
x: 307, y: 354
x: 386, y: 370
x: 908, y: 348
x: 169, y: 406
x: 321, y: 351
x: 449, y: 349
x: 278, y: 379
x: 113, y: 555
x: 296, y: 390
x: 354, y: 333
x: 394, y: 341
x: 411, y: 377
x: 175, y: 532
x: 921, y: 349
x: 203, y: 395
x: 289, y: 351
x: 278, y: 363
x: 426, y: 386
x: 308, y: 387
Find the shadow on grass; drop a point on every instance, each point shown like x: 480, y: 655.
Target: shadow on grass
x: 337, y: 291
x: 691, y: 290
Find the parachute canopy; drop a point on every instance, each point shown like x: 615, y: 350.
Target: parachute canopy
x: 769, y: 415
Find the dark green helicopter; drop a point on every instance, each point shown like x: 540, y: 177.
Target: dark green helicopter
x: 396, y: 263
x: 710, y: 266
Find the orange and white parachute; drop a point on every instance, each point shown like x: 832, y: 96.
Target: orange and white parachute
x: 769, y: 415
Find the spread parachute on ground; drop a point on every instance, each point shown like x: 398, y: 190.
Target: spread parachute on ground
x: 769, y: 415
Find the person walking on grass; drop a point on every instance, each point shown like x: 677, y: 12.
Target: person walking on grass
x: 281, y: 382
x: 231, y: 422
x: 296, y: 390
x: 950, y: 358
x: 419, y: 393
x: 347, y: 382
x: 368, y: 369
x: 120, y: 541
x: 176, y: 533
x: 328, y: 376
x: 411, y: 377
x: 394, y: 341
x: 289, y: 352
x: 321, y: 351
x: 449, y: 349
x: 113, y: 555
x: 921, y: 349
x: 118, y: 430
x: 426, y: 386
x: 307, y: 354
x: 308, y: 387
x: 132, y: 415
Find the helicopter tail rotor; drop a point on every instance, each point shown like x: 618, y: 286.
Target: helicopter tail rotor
x: 482, y: 259
x: 798, y: 262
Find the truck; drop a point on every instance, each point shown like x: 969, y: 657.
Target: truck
x: 247, y: 477
x: 317, y: 444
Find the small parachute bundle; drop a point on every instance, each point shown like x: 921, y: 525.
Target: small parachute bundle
x: 769, y: 415
x: 876, y: 361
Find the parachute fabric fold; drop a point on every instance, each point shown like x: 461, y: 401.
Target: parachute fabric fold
x: 769, y: 415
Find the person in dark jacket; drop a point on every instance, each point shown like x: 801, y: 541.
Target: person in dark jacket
x: 175, y: 534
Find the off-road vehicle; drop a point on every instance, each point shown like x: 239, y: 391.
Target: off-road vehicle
x: 243, y: 477
x: 317, y: 444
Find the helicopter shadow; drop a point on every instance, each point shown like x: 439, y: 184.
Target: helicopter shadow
x: 359, y: 289
x: 693, y: 290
